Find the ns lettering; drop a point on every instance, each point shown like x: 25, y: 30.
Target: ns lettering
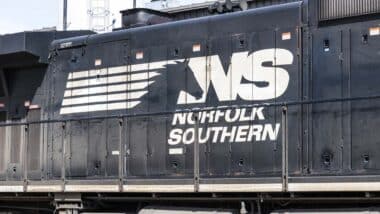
x: 263, y: 82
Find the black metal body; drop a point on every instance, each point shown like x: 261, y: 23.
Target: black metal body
x: 135, y: 111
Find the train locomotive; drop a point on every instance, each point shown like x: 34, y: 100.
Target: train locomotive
x: 270, y: 109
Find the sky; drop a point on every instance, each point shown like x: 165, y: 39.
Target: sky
x: 25, y: 15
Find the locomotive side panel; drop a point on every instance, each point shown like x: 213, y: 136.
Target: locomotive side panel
x: 326, y: 118
x: 364, y: 114
x: 342, y: 110
x: 191, y: 67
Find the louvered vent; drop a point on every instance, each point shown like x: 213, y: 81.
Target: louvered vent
x: 337, y: 9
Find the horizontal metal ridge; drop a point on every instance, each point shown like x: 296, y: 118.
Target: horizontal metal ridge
x: 336, y: 9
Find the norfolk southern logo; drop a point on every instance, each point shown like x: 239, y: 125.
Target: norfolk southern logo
x: 256, y: 76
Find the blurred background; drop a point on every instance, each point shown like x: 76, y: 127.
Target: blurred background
x: 97, y: 15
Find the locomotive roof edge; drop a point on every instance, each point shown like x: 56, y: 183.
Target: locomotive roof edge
x: 80, y: 41
x: 29, y: 47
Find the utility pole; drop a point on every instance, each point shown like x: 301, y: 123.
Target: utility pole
x: 64, y: 15
x: 134, y: 3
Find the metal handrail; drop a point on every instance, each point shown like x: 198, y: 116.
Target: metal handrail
x: 195, y: 110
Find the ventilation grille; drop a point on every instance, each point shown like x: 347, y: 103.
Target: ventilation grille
x: 337, y: 9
